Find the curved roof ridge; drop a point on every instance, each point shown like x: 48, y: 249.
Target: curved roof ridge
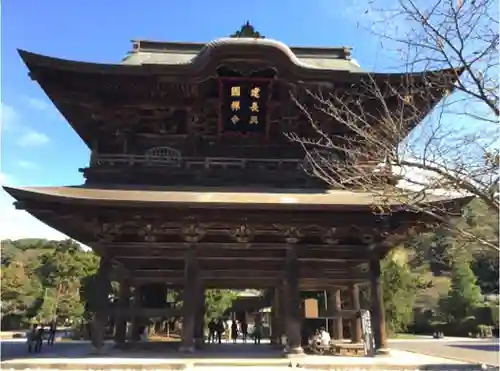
x: 282, y: 47
x: 209, y: 47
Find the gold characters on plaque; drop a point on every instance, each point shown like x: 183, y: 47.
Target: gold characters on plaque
x: 239, y: 107
x: 254, y: 105
x: 255, y: 92
x: 235, y: 91
x: 235, y: 104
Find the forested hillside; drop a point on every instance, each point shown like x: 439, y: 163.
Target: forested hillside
x: 440, y: 271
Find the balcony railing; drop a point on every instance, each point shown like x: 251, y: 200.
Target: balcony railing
x: 194, y: 162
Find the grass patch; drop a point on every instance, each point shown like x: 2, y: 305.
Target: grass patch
x: 404, y: 336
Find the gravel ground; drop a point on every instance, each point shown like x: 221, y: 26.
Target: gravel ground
x: 471, y: 351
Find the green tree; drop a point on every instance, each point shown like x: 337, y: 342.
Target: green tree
x: 62, y: 270
x: 217, y: 302
x: 400, y: 287
x: 464, y: 294
x: 20, y: 290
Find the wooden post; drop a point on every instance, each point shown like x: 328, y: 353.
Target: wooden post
x: 123, y: 302
x: 334, y: 306
x: 199, y: 332
x: 102, y: 290
x: 293, y: 315
x: 273, y: 318
x: 378, y: 310
x: 136, y: 320
x: 189, y: 301
x: 356, y: 321
x: 280, y: 313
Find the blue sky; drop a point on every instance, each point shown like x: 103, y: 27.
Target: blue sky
x: 39, y: 147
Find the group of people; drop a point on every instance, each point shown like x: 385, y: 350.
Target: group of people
x: 321, y: 338
x: 35, y: 337
x: 217, y: 328
x: 215, y: 331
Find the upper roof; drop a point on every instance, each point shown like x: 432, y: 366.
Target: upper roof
x: 157, y: 52
x: 80, y: 90
x: 206, y: 197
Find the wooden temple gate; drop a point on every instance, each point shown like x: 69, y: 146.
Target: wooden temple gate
x: 192, y: 184
x: 235, y: 240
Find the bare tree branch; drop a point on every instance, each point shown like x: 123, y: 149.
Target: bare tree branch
x: 409, y: 136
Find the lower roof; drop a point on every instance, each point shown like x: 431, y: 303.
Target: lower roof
x: 215, y: 197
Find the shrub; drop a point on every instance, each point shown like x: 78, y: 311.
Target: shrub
x: 484, y: 315
x: 485, y: 331
x: 495, y: 314
x: 422, y: 324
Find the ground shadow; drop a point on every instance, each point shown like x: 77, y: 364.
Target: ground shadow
x: 483, y: 347
x: 151, y: 350
x: 170, y: 350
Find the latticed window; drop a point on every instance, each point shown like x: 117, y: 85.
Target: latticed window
x: 164, y: 154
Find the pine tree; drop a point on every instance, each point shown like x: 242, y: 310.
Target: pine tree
x: 400, y: 287
x: 464, y: 294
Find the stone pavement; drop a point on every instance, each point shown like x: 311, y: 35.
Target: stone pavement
x: 467, y: 350
x: 12, y: 349
x: 231, y: 356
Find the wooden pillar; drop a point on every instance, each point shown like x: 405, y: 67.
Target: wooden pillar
x: 334, y: 307
x: 136, y: 319
x: 293, y: 315
x: 273, y: 318
x: 199, y: 331
x: 189, y: 301
x: 378, y: 310
x: 356, y: 321
x: 102, y: 290
x: 280, y: 313
x: 123, y: 303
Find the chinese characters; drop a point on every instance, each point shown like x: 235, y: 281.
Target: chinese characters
x: 243, y: 104
x: 235, y: 104
x: 254, y: 105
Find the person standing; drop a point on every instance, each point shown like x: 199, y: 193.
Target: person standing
x: 257, y: 332
x: 31, y: 338
x: 244, y: 330
x: 219, y: 330
x: 234, y: 331
x: 39, y: 339
x: 52, y: 334
x: 211, y: 331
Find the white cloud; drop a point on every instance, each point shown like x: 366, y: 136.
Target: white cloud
x: 26, y: 164
x: 15, y: 224
x: 9, y: 118
x: 6, y: 179
x: 415, y: 179
x: 32, y: 138
x: 38, y: 104
x: 11, y: 122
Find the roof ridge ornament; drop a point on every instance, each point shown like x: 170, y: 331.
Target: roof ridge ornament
x: 247, y: 31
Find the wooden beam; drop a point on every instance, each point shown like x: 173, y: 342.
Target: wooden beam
x: 255, y: 252
x: 245, y: 283
x: 144, y: 312
x: 234, y: 264
x: 322, y: 215
x: 219, y: 246
x: 252, y: 274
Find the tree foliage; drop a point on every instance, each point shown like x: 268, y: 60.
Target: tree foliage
x: 217, y: 302
x: 42, y: 280
x: 400, y: 287
x: 464, y: 295
x: 421, y: 136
